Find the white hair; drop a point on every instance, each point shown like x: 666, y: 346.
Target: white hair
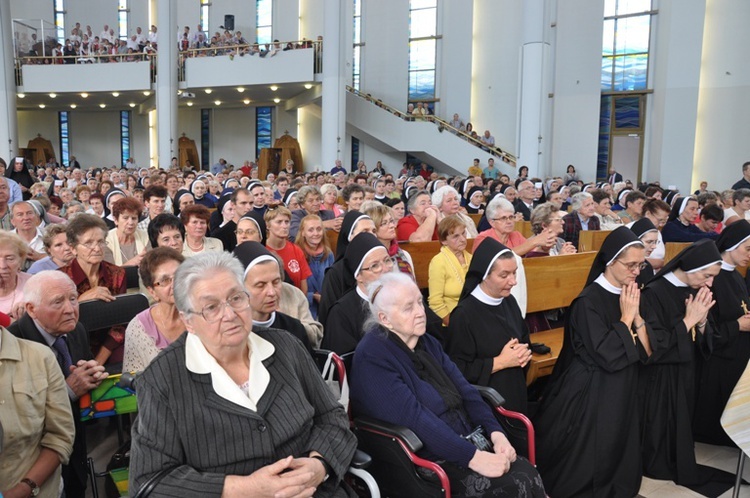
x: 439, y: 195
x: 498, y: 204
x: 382, y: 296
x: 577, y: 200
x: 38, y: 285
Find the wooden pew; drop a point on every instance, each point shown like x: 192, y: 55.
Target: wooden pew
x: 672, y: 249
x: 591, y: 240
x: 476, y: 217
x: 421, y: 254
x: 333, y: 238
x: 553, y: 282
x: 524, y: 227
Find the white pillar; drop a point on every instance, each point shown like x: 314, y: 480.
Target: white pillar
x: 166, y: 82
x: 9, y: 121
x: 333, y: 135
x: 534, y: 106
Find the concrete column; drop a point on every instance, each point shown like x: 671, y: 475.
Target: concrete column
x: 8, y: 120
x: 534, y: 106
x: 334, y: 90
x: 166, y: 82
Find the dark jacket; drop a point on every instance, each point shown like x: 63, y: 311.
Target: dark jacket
x: 572, y: 226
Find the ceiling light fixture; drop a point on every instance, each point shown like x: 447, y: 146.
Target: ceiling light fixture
x: 208, y: 91
x: 84, y: 95
x: 246, y: 101
x: 274, y: 88
x: 146, y: 93
x: 21, y: 95
x: 190, y: 104
x: 73, y: 106
x: 102, y: 105
x: 42, y: 106
x: 308, y: 86
x: 115, y: 94
x: 217, y: 102
x: 277, y: 100
x: 240, y: 89
x: 131, y: 104
x: 52, y: 95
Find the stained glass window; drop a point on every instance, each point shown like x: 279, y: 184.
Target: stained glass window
x: 625, y: 43
x: 122, y: 19
x: 63, y: 123
x: 264, y: 21
x: 60, y: 21
x: 263, y: 127
x: 124, y: 136
x: 422, y: 49
x: 357, y: 39
x: 205, y: 136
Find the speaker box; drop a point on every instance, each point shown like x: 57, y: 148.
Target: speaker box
x: 229, y: 22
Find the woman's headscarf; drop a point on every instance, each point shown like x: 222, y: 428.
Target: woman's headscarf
x: 259, y: 222
x: 192, y: 188
x: 679, y: 205
x: 351, y: 218
x: 642, y: 227
x: 472, y: 191
x: 251, y: 253
x: 693, y: 258
x: 733, y: 235
x: 23, y: 177
x: 359, y: 248
x: 481, y: 263
x: 288, y: 196
x: 177, y: 196
x: 615, y: 243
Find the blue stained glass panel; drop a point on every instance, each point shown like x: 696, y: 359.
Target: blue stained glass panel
x: 124, y: 136
x: 605, y: 118
x: 357, y: 7
x: 632, y: 35
x: 357, y: 30
x: 263, y: 126
x: 205, y: 136
x: 264, y: 21
x: 630, y: 72
x: 606, y: 74
x: 608, y: 37
x: 422, y: 55
x: 64, y: 137
x: 421, y: 85
x: 627, y: 112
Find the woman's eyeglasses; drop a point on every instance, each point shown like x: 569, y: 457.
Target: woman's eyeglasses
x: 380, y: 265
x: 213, y: 312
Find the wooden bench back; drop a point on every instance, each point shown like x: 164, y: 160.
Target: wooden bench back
x: 554, y: 281
x: 591, y: 240
x: 421, y: 254
x: 477, y: 218
x: 672, y: 249
x: 333, y: 239
x: 524, y: 227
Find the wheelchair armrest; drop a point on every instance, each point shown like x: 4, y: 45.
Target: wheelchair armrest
x: 361, y: 460
x: 490, y: 396
x: 412, y: 442
x: 127, y: 380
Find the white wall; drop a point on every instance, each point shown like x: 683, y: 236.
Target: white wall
x: 309, y: 137
x: 455, y: 21
x: 33, y: 123
x: 95, y: 138
x: 232, y: 135
x: 577, y: 94
x: 311, y: 18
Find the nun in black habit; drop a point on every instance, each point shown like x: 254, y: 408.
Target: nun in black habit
x: 647, y: 233
x: 587, y: 423
x: 264, y: 288
x: 676, y: 305
x: 718, y: 374
x: 487, y: 336
x: 365, y: 259
x: 337, y: 280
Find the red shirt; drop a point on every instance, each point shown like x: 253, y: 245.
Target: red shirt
x: 295, y: 263
x: 407, y: 226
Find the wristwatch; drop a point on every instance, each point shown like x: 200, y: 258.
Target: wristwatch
x: 326, y: 465
x: 34, y: 486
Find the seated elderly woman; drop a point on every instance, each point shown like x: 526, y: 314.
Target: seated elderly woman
x: 402, y: 376
x: 448, y: 202
x: 581, y: 218
x: 94, y: 277
x: 157, y: 327
x: 127, y: 242
x: 385, y: 223
x: 309, y: 199
x: 487, y: 336
x: 448, y: 268
x: 547, y: 218
x: 59, y: 252
x: 680, y: 227
x: 366, y: 259
x: 199, y: 398
x: 421, y: 223
x: 195, y: 219
x: 502, y: 220
x: 13, y: 253
x: 166, y: 230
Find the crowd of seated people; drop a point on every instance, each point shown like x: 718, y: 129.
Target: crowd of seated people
x: 268, y: 245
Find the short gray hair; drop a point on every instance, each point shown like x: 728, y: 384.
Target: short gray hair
x: 329, y: 187
x: 412, y: 202
x: 199, y: 268
x: 38, y: 285
x: 577, y: 200
x: 541, y: 216
x: 307, y: 190
x: 381, y: 296
x: 498, y: 204
x: 439, y: 195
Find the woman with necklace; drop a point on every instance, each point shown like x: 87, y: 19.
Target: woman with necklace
x: 157, y: 327
x: 195, y: 218
x: 127, y: 243
x: 12, y: 255
x: 312, y: 239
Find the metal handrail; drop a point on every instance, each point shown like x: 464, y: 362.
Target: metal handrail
x: 506, y: 157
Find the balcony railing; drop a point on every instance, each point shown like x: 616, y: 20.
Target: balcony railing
x: 441, y: 124
x: 63, y: 60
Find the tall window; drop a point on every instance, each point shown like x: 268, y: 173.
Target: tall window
x: 263, y: 127
x: 60, y: 21
x: 206, y: 137
x: 624, y: 80
x: 124, y: 136
x: 422, y: 49
x: 122, y: 19
x: 355, y: 152
x: 264, y: 21
x: 358, y: 44
x: 62, y: 122
x: 205, y: 4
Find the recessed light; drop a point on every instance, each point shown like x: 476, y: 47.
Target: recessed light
x: 73, y: 106
x: 277, y: 100
x: 274, y: 88
x: 131, y: 104
x: 102, y: 105
x: 208, y: 91
x: 308, y: 86
x: 240, y: 89
x: 42, y: 106
x: 217, y: 102
x: 190, y: 104
x: 146, y: 93
x: 21, y: 95
x: 52, y: 95
x: 246, y: 101
x: 84, y: 95
x: 115, y: 94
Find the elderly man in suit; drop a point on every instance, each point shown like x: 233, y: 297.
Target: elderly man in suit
x: 51, y: 319
x: 581, y: 218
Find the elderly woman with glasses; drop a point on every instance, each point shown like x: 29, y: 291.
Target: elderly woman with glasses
x: 448, y: 202
x: 366, y: 259
x: 589, y: 444
x: 401, y: 375
x: 157, y: 327
x: 310, y: 201
x: 94, y: 277
x: 229, y: 409
x: 548, y: 218
x: 502, y: 220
